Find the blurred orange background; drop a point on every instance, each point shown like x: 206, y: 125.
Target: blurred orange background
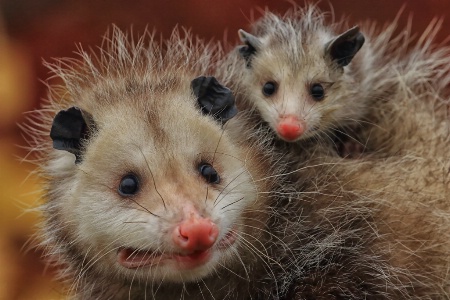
x: 36, y: 30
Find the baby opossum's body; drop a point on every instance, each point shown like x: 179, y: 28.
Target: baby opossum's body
x: 312, y: 80
x: 408, y: 213
x: 162, y: 202
x: 394, y: 97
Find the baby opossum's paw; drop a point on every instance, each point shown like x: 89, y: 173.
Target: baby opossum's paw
x: 347, y: 144
x: 350, y: 149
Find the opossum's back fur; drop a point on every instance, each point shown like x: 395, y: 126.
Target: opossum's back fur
x: 326, y: 238
x: 372, y: 228
x: 407, y: 146
x: 407, y: 199
x: 400, y: 186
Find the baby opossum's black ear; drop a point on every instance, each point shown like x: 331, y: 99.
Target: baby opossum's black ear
x: 69, y: 128
x: 214, y: 98
x: 252, y: 45
x: 343, y: 48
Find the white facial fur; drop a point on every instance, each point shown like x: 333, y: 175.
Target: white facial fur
x: 165, y: 155
x: 292, y: 55
x: 292, y: 96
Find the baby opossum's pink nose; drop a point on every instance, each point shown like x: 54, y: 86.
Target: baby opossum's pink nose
x: 290, y: 128
x: 195, y: 234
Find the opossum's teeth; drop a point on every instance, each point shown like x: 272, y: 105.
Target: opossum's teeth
x: 195, y: 259
x: 290, y: 128
x: 132, y: 258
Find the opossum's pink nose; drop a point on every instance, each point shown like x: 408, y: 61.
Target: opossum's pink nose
x: 195, y: 234
x: 290, y: 128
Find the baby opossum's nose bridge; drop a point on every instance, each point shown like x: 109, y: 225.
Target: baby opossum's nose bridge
x: 194, y: 232
x: 290, y: 127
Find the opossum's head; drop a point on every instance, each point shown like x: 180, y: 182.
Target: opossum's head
x: 157, y: 191
x: 296, y: 74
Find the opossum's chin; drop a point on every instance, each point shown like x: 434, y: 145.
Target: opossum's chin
x: 183, y: 266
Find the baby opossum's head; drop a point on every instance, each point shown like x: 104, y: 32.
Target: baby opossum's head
x: 296, y: 73
x: 156, y: 191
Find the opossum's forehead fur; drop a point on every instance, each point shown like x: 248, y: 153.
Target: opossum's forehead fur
x: 168, y: 126
x: 300, y: 34
x: 292, y: 54
x: 139, y: 96
x: 145, y: 64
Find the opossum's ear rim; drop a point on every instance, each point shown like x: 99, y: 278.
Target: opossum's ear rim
x: 252, y: 45
x: 343, y: 48
x: 69, y: 128
x: 214, y: 99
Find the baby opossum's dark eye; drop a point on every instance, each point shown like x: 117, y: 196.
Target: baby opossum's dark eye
x: 209, y: 173
x: 317, y: 91
x: 269, y: 88
x: 129, y: 185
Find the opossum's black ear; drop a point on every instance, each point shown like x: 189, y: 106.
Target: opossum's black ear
x: 252, y: 45
x: 69, y: 128
x: 343, y: 48
x: 214, y: 98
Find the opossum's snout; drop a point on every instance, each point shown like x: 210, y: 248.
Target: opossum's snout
x: 290, y: 128
x: 193, y: 242
x: 195, y: 234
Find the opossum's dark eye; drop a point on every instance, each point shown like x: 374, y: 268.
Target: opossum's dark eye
x: 269, y: 88
x: 317, y: 91
x: 129, y: 185
x: 209, y: 173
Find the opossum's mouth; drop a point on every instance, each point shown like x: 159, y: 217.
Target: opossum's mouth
x: 132, y: 258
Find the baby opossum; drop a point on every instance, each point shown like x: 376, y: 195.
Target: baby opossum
x: 386, y: 92
x: 299, y: 74
x: 309, y: 79
x: 397, y: 100
x: 154, y: 189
